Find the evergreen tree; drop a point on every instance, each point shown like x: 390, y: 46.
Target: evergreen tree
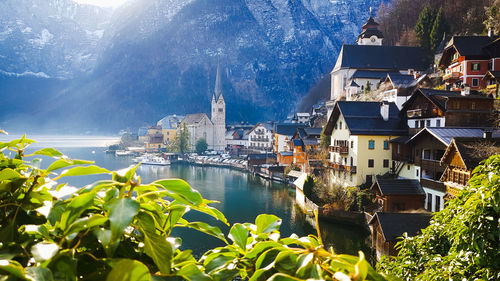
x: 201, y: 146
x: 181, y: 141
x: 438, y: 29
x: 423, y: 27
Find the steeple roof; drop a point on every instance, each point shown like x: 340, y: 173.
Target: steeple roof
x: 218, y: 84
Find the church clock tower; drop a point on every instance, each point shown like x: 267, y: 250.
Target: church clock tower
x: 219, y: 114
x: 370, y: 35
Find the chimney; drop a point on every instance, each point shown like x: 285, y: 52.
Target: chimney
x: 490, y: 32
x: 384, y: 110
x: 465, y: 90
x: 487, y: 134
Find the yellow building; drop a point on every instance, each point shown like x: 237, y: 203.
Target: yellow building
x: 360, y: 140
x: 169, y: 125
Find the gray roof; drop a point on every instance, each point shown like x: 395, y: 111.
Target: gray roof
x: 440, y: 97
x: 471, y: 46
x: 393, y: 225
x: 363, y: 118
x: 371, y: 74
x: 383, y: 57
x: 401, y: 80
x: 445, y: 135
x: 313, y: 131
x: 288, y: 129
x: 170, y: 121
x: 194, y: 118
x: 398, y: 187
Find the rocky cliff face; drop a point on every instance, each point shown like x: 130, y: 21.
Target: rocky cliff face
x: 150, y: 58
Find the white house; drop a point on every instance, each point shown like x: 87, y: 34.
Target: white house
x: 261, y: 136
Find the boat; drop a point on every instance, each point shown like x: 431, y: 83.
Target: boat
x: 152, y: 160
x: 124, y: 153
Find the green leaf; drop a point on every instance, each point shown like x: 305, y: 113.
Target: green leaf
x: 182, y: 189
x: 64, y: 267
x: 266, y: 260
x: 75, y: 208
x: 208, y: 229
x: 12, y: 268
x: 261, y: 247
x: 218, y: 260
x: 160, y: 250
x: 129, y: 175
x: 83, y: 171
x: 192, y: 272
x: 8, y: 174
x: 86, y: 223
x: 211, y: 211
x: 267, y: 223
x: 39, y: 274
x: 129, y: 270
x: 361, y: 267
x: 239, y: 235
x: 63, y: 163
x: 121, y: 213
x: 175, y: 213
x: 283, y: 277
x: 48, y: 152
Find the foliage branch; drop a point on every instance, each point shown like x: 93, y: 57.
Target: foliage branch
x: 120, y: 229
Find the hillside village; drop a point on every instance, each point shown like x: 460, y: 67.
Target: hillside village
x: 397, y: 126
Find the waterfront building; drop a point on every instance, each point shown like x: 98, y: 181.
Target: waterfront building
x: 154, y: 139
x: 213, y: 129
x: 468, y: 59
x: 283, y: 134
x: 387, y: 229
x: 305, y: 146
x: 437, y: 108
x: 260, y: 137
x: 360, y: 140
x: 169, y: 125
x: 396, y: 195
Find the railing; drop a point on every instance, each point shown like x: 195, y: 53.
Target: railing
x: 340, y: 149
x: 260, y: 139
x: 414, y: 113
x: 436, y: 185
x: 340, y: 167
x: 433, y: 165
x: 451, y: 76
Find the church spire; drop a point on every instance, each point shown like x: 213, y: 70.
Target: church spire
x: 218, y: 84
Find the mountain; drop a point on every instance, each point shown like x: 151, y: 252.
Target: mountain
x: 153, y: 58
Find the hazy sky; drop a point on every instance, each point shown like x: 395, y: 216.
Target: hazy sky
x: 102, y: 3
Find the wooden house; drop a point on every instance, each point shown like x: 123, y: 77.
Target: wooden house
x: 461, y: 157
x: 396, y: 195
x: 436, y: 108
x: 466, y: 60
x: 387, y: 228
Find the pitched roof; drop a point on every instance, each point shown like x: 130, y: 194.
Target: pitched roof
x: 383, y: 57
x: 170, y: 121
x: 470, y: 46
x: 446, y: 134
x: 441, y: 97
x: 266, y: 125
x: 298, y: 142
x: 194, y: 118
x: 363, y: 118
x: 398, y: 187
x: 399, y: 80
x: 466, y: 147
x: 393, y: 225
x: 370, y: 74
x: 288, y: 129
x: 311, y: 131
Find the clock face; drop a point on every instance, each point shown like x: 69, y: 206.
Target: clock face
x: 373, y: 39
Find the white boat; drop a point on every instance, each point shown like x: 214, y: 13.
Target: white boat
x: 152, y: 160
x: 124, y: 153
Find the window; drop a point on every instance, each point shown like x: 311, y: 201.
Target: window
x: 475, y: 66
x: 386, y: 145
x: 475, y: 82
x: 408, y: 167
x: 370, y: 163
x: 428, y: 123
x: 416, y: 124
x: 429, y: 201
x: 438, y: 203
x: 340, y: 125
x: 438, y: 123
x: 371, y: 144
x: 422, y: 123
x: 416, y: 173
x: 352, y: 144
x: 427, y: 154
x: 473, y: 105
x: 399, y: 149
x: 352, y: 162
x: 386, y: 163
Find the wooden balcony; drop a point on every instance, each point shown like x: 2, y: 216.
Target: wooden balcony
x: 492, y: 87
x: 340, y: 167
x: 432, y: 165
x: 433, y: 184
x: 452, y: 76
x: 340, y: 149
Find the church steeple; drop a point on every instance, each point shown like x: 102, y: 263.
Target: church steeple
x: 218, y: 84
x: 370, y: 35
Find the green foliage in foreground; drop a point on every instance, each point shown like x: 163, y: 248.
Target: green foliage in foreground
x: 463, y: 240
x: 120, y: 229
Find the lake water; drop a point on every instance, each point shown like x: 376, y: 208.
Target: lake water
x: 242, y: 196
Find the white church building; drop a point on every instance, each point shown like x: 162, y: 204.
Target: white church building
x: 213, y: 129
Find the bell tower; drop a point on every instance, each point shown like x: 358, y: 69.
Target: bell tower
x: 370, y: 35
x: 219, y: 114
